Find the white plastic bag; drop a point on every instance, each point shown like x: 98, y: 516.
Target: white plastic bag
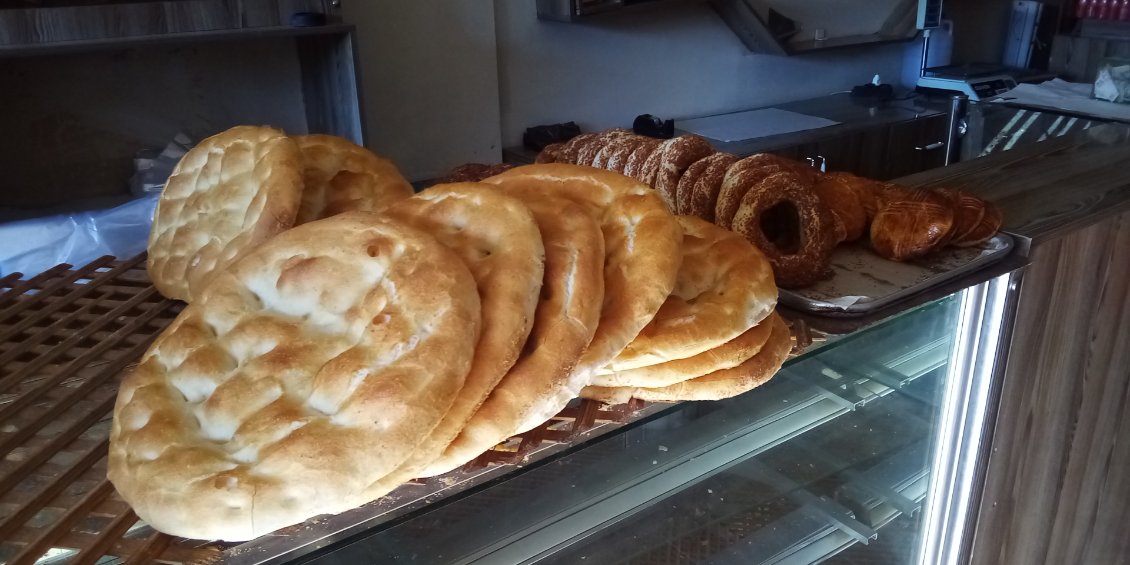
x: 33, y: 246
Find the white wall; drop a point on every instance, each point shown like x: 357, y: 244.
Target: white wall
x: 679, y: 60
x: 429, y: 82
x: 445, y: 83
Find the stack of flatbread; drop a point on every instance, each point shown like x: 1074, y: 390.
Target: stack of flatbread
x: 343, y: 336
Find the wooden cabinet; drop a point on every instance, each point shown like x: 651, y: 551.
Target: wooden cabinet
x: 882, y: 152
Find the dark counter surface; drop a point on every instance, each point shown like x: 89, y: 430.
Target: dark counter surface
x: 1048, y: 189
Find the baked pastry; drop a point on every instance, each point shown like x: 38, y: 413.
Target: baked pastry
x: 474, y: 172
x: 340, y: 176
x: 226, y: 196
x: 684, y: 189
x: 989, y: 225
x: 549, y: 154
x: 669, y: 161
x: 589, y: 151
x: 835, y: 191
x: 543, y: 381
x: 739, y: 178
x: 293, y: 382
x: 725, y: 383
x: 726, y: 356
x: 911, y: 225
x: 704, y: 193
x: 615, y: 155
x: 642, y: 246
x: 968, y: 214
x: 571, y: 149
x: 724, y: 287
x: 633, y: 167
x: 787, y: 222
x: 497, y: 238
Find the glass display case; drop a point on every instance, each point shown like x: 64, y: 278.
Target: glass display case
x: 866, y: 449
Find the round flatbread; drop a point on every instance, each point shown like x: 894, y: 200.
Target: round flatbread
x: 294, y: 381
x: 641, y: 246
x: 726, y: 356
x: 724, y: 287
x: 543, y: 381
x: 498, y: 238
x: 341, y: 176
x: 226, y: 196
x: 752, y: 373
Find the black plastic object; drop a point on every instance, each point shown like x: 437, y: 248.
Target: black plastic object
x: 873, y: 91
x: 652, y: 126
x: 537, y: 137
x: 307, y: 19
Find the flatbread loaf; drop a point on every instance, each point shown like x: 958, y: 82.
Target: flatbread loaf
x: 226, y: 196
x: 307, y: 370
x: 498, y: 239
x: 754, y: 372
x: 724, y: 287
x: 726, y: 356
x: 340, y: 176
x: 542, y: 382
x: 641, y: 246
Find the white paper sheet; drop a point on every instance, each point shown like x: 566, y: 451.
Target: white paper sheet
x: 752, y: 124
x: 1057, y: 94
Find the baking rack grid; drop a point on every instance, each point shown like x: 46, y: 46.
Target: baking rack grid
x: 67, y: 336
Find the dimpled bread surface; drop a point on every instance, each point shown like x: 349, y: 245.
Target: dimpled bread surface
x: 498, y: 239
x: 341, y: 176
x: 724, y: 287
x: 641, y: 246
x: 227, y: 195
x: 542, y: 382
x: 306, y: 372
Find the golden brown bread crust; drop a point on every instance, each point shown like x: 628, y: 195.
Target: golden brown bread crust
x: 295, y: 380
x: 474, y: 172
x: 835, y: 191
x: 726, y: 356
x: 642, y: 246
x: 724, y: 287
x: 988, y: 227
x: 549, y: 154
x: 341, y: 176
x: 725, y: 383
x: 969, y: 212
x: 497, y: 238
x: 911, y: 224
x: 670, y: 160
x: 542, y: 382
x: 226, y: 196
x: 634, y: 166
x: 684, y: 189
x: 800, y: 241
x: 572, y: 148
x: 590, y: 151
x: 739, y: 178
x: 704, y: 197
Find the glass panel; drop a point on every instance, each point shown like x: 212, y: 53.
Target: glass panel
x: 995, y: 127
x: 831, y: 460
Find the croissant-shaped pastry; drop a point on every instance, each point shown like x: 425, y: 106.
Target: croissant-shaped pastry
x: 837, y: 193
x: 911, y: 225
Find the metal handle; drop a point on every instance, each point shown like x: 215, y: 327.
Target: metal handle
x: 823, y: 163
x: 932, y: 146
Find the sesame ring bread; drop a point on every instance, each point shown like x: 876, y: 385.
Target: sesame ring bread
x: 704, y: 197
x: 724, y: 287
x: 684, y: 189
x: 588, y: 152
x: 633, y: 167
x: 744, y: 174
x: 550, y: 153
x: 498, y: 239
x: 726, y: 356
x: 617, y: 158
x: 641, y: 246
x: 783, y: 218
x: 571, y: 149
x: 543, y: 382
x: 305, y: 372
x: 341, y: 176
x: 726, y: 383
x: 670, y: 160
x: 227, y: 195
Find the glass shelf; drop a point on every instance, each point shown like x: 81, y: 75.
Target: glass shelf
x: 834, y: 459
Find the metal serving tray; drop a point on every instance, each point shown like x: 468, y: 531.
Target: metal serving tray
x: 864, y: 282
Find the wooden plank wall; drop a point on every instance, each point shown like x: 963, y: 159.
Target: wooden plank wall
x: 1058, y: 484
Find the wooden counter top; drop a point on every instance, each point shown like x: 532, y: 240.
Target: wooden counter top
x: 1051, y: 188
